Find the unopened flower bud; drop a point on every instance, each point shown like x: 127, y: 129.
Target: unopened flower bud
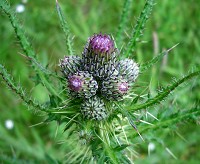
x: 114, y: 88
x: 82, y: 84
x: 70, y: 65
x: 99, y: 51
x: 128, y: 69
x: 94, y: 109
x: 101, y: 44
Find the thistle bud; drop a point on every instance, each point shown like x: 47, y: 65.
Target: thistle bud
x: 82, y: 84
x: 105, y: 71
x: 99, y: 50
x: 94, y: 109
x: 114, y: 88
x: 101, y: 44
x: 128, y: 69
x: 70, y: 65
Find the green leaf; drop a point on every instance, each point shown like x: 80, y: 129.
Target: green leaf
x: 159, y: 97
x: 135, y: 100
x: 8, y: 79
x: 145, y: 66
x: 50, y: 160
x: 52, y: 117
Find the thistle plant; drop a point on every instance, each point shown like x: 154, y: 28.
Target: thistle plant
x: 95, y: 97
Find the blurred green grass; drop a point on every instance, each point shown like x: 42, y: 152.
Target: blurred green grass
x: 171, y: 21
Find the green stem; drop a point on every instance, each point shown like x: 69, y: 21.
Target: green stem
x: 139, y: 27
x: 49, y: 86
x: 65, y: 29
x: 27, y: 48
x: 18, y: 89
x: 145, y: 66
x: 110, y: 152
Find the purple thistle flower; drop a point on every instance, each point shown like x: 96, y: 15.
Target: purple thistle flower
x: 75, y: 83
x: 99, y: 71
x: 101, y: 44
x: 82, y: 84
x: 123, y: 87
x: 100, y: 52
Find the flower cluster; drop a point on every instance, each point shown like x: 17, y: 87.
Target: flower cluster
x: 98, y: 76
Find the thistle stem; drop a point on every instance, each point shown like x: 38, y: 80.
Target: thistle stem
x: 139, y: 27
x: 65, y: 29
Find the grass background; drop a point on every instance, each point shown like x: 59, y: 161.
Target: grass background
x: 171, y: 22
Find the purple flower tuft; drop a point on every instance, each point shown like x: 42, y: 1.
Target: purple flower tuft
x: 82, y: 84
x: 75, y: 83
x: 99, y: 43
x: 123, y: 87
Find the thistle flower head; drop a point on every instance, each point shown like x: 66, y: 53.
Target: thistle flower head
x: 82, y: 84
x: 94, y: 109
x: 115, y: 87
x: 101, y: 44
x: 70, y: 65
x: 75, y: 83
x: 98, y: 52
x: 128, y: 69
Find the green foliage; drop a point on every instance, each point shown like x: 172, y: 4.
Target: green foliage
x: 26, y: 46
x: 18, y: 90
x: 115, y: 139
x: 145, y: 66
